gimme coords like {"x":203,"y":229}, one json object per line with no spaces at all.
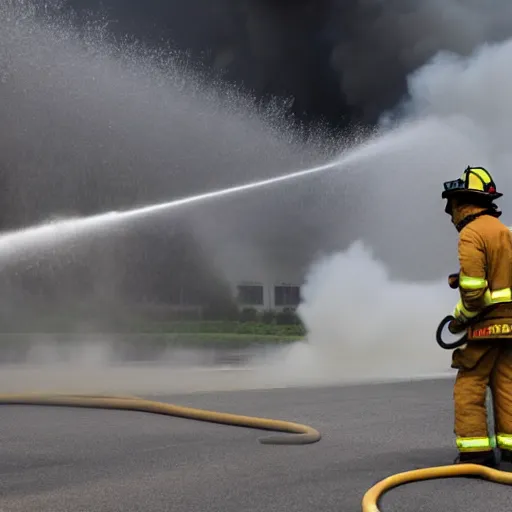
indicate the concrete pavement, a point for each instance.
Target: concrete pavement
{"x":78,"y":460}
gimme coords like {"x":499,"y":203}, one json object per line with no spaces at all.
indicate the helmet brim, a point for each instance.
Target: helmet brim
{"x":447,"y":194}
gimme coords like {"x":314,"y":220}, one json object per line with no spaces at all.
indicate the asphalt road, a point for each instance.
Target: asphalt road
{"x":79,"y":460}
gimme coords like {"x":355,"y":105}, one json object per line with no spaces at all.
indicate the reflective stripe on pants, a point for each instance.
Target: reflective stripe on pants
{"x":504,"y":441}
{"x":476,"y":444}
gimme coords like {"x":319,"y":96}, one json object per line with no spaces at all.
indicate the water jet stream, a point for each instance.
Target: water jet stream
{"x":53,"y":232}
{"x":58,"y":231}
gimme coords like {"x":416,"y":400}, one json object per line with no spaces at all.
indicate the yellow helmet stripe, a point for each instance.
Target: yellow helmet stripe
{"x":477,"y":179}
{"x":482,"y":174}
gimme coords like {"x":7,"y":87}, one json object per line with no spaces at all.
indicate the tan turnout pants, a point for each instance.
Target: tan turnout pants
{"x":482,"y":364}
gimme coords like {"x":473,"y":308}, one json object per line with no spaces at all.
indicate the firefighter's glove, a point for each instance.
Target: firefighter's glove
{"x":453,"y":281}
{"x":462,"y":315}
{"x":456,"y":326}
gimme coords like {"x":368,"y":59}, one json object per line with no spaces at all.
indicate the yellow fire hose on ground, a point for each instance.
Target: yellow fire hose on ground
{"x":303,"y":433}
{"x":373,"y":496}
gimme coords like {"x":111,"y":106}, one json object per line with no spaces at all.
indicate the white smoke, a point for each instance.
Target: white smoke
{"x":363,"y":325}
{"x":361,"y":322}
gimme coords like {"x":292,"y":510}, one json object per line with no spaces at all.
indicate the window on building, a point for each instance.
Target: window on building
{"x":250,"y":295}
{"x":287,"y":295}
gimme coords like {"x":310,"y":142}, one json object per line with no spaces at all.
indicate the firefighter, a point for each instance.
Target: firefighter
{"x":484,"y":311}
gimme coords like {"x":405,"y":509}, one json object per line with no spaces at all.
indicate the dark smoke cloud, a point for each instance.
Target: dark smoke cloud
{"x":268,"y":48}
{"x":340,"y":60}
{"x":381,"y":42}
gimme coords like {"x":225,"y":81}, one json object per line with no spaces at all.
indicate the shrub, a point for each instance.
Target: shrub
{"x":248,"y":315}
{"x":268,"y":317}
{"x":287,"y":317}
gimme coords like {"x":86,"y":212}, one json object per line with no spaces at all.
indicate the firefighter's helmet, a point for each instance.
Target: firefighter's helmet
{"x":476,"y":187}
{"x":475,"y":182}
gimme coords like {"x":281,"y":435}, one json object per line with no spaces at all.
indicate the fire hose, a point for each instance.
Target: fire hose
{"x":303,"y":434}
{"x":439,"y":335}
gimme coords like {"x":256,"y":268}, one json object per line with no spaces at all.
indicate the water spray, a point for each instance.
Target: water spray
{"x":57,"y":231}
{"x":61,"y":230}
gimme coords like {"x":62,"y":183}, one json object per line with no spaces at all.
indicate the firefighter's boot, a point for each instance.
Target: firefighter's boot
{"x":484,"y":458}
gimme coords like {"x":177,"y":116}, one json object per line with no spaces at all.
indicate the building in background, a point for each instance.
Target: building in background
{"x":265,"y":296}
